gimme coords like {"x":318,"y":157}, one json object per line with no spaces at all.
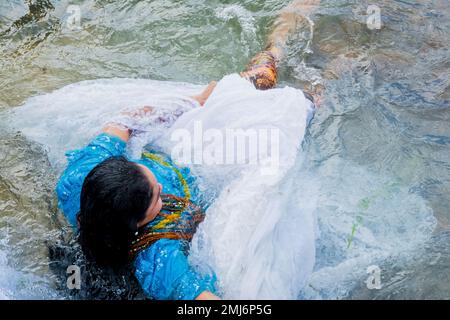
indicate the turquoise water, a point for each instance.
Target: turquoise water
{"x":377,"y":151}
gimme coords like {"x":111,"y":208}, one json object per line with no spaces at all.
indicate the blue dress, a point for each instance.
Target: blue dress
{"x":162,"y":269}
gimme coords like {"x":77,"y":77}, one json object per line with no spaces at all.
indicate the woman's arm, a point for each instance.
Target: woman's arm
{"x":124,"y":133}
{"x":80,"y":163}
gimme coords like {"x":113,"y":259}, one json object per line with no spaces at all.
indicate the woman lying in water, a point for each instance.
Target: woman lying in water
{"x":144,"y":213}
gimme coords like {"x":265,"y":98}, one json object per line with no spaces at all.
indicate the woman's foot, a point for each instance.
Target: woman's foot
{"x":262,"y":69}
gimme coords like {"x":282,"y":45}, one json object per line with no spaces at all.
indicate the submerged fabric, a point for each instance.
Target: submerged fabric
{"x":258,"y":236}
{"x":162,"y":269}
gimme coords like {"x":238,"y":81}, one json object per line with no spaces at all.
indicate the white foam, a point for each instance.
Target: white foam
{"x":67,"y":118}
{"x":15,"y":284}
{"x":4,"y":276}
{"x":388,"y":220}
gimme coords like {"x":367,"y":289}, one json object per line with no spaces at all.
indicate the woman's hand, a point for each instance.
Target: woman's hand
{"x":206,"y":295}
{"x":120,"y":130}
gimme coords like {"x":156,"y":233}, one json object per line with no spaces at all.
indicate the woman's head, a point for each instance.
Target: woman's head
{"x":118,"y":196}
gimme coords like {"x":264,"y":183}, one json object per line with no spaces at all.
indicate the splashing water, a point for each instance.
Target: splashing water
{"x":245,"y":20}
{"x":234,"y":99}
{"x":370,"y":180}
{"x":264,"y":212}
{"x":16,"y":284}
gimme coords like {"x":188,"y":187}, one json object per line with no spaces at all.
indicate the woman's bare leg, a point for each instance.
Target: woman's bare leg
{"x":262,"y":69}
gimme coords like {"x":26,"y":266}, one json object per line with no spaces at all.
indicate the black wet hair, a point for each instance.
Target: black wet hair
{"x":114,"y":198}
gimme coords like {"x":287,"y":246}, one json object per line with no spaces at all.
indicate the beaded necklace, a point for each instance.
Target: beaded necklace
{"x":170,"y":226}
